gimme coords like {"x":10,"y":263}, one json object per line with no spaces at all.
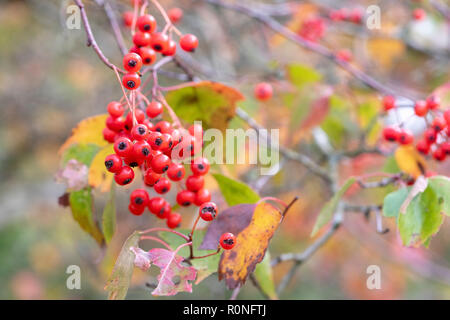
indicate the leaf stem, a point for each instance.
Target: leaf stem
{"x":157,"y":240}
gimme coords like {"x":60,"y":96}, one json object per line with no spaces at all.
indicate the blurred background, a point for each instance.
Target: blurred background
{"x":50,"y":80}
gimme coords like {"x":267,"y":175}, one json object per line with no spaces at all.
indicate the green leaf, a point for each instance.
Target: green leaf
{"x":264,"y":276}
{"x":83,"y":153}
{"x":300,"y":74}
{"x":120,"y":278}
{"x":422,"y":219}
{"x":330,"y":207}
{"x":210,"y":102}
{"x":205,"y":266}
{"x":441,"y":186}
{"x":109,"y":215}
{"x":81,"y":204}
{"x":393,"y":201}
{"x":390,"y":165}
{"x":235,"y":192}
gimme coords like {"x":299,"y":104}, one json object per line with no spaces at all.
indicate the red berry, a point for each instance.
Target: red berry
{"x":135,"y":49}
{"x":388,"y":103}
{"x":200,"y":166}
{"x":156,"y":205}
{"x":136,"y":210}
{"x":154,"y":109}
{"x":446,"y":148}
{"x":355,"y":16}
{"x":139,"y":132}
{"x":185,"y":198}
{"x":151,"y":177}
{"x":142,"y":151}
{"x":390,"y":134}
{"x":139,"y":197}
{"x":128,"y":18}
{"x":163,"y":127}
{"x":439,"y":154}
{"x":160,"y":163}
{"x":208,"y":211}
{"x":109,"y":135}
{"x":124,"y":176}
{"x":175,"y":15}
{"x":115,"y":109}
{"x":202,"y":196}
{"x":165,"y":211}
{"x":405,"y":137}
{"x":142,"y":39}
{"x":115,"y":124}
{"x":146,"y":23}
{"x":133,"y":161}
{"x":189,"y":42}
{"x":167,"y":142}
{"x":433,"y":102}
{"x":159,"y":42}
{"x":162,"y":186}
{"x":439,"y":124}
{"x":155,"y":139}
{"x":140,"y":117}
{"x":227,"y":241}
{"x":447,"y":116}
{"x":430,"y":136}
{"x":131,"y":81}
{"x":174,"y":220}
{"x":195,"y":183}
{"x":421,"y":108}
{"x":263,"y":91}
{"x":176,"y":172}
{"x":113,"y":163}
{"x":170,"y":50}
{"x":419,"y":14}
{"x":344,"y":55}
{"x":123,"y":147}
{"x":132,"y":62}
{"x":148,"y":55}
{"x":423,"y":147}
{"x":196,"y":130}
{"x":149,"y":125}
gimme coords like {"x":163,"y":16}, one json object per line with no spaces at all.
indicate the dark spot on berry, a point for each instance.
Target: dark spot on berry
{"x":139,"y":200}
{"x":132,"y":63}
{"x":148,"y":60}
{"x":145,"y":151}
{"x":141,"y":130}
{"x":186,"y":203}
{"x":158,"y":141}
{"x":158,"y":129}
{"x":127,"y":127}
{"x":122,"y":145}
{"x":170,"y":144}
{"x":179,"y":174}
{"x":157,"y":47}
{"x":164,"y":190}
{"x":109,"y":164}
{"x":146,"y":27}
{"x":200,"y":167}
{"x":126,"y":181}
{"x":165,"y":168}
{"x":133,"y":164}
{"x":228,"y":241}
{"x":131,"y":84}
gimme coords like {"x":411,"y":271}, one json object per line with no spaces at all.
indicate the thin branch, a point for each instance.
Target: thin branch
{"x":382,"y":183}
{"x":258,"y":286}
{"x":91,"y":40}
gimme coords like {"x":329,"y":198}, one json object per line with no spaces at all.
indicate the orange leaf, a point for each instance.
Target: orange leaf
{"x":98,"y":175}
{"x":410,"y":161}
{"x":251,"y":245}
{"x":89,"y":130}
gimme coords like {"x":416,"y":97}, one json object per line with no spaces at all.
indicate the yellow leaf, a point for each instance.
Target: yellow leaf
{"x":385,"y":51}
{"x":99,"y":177}
{"x":251,"y":245}
{"x":89,"y":130}
{"x":410,"y":161}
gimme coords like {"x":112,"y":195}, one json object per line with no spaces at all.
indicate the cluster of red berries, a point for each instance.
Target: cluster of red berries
{"x":435,"y":139}
{"x":312,"y":29}
{"x":354,"y":15}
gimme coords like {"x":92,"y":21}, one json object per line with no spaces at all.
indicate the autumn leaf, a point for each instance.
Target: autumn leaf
{"x":174,"y":276}
{"x":99,"y":177}
{"x":410,"y":161}
{"x":385,"y":51}
{"x":251,"y":245}
{"x":212,"y":103}
{"x":109,"y":216}
{"x":88,"y":131}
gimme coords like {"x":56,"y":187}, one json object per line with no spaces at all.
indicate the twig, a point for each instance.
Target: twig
{"x":258,"y":286}
{"x":91,"y":40}
{"x":382,"y":183}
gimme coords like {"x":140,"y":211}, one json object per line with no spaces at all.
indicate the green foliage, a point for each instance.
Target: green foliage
{"x":109,"y":216}
{"x":81,"y":152}
{"x":300,"y":74}
{"x":393,"y":201}
{"x":330,"y":207}
{"x":235,"y":192}
{"x":263,"y":274}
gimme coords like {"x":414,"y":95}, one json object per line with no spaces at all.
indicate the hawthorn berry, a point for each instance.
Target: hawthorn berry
{"x":132,"y":62}
{"x":163,"y":127}
{"x":390,"y":134}
{"x":160,"y":163}
{"x":165,"y":211}
{"x":195,"y":183}
{"x":419,"y":14}
{"x":170,"y":49}
{"x":174,"y":220}
{"x":430,"y":135}
{"x":162,"y":186}
{"x":151,"y":177}
{"x":146,"y":23}
{"x":124,"y":176}
{"x":433,"y":102}
{"x":128,"y":18}
{"x":405,"y":137}
{"x":115,"y":124}
{"x":135,"y":49}
{"x":154,"y":109}
{"x":123,"y":147}
{"x":136,"y":210}
{"x":159,"y":41}
{"x":115,"y":109}
{"x":196,"y":130}
{"x":175,"y":172}
{"x":109,"y":135}
{"x":140,"y":117}
{"x":148,"y":55}
{"x":263,"y":91}
{"x":446,"y":148}
{"x":139,"y":132}
{"x":344,"y":55}
{"x":175,"y":15}
{"x":200,"y":166}
{"x":227,"y":241}
{"x":113,"y":163}
{"x":133,"y":161}
{"x":142,"y":151}
{"x":131,"y":81}
{"x":202,"y":196}
{"x":156,"y":205}
{"x":142,"y":39}
{"x":423,"y":147}
{"x":188,"y":42}
{"x":139,"y":197}
{"x":185,"y":198}
{"x":208,"y":211}
{"x":421,"y":108}
{"x":388,"y":103}
{"x":447,"y":116}
{"x":439,"y":124}
{"x":355,"y":16}
{"x":439,"y":154}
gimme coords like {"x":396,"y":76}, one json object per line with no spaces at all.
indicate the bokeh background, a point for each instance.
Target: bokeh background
{"x":50,"y":80}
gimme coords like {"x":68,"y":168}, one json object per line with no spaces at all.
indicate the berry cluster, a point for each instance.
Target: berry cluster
{"x":435,"y":139}
{"x":354,"y":15}
{"x":312,"y":29}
